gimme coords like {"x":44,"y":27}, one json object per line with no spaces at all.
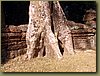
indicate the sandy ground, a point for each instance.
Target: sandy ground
{"x":82,"y":61}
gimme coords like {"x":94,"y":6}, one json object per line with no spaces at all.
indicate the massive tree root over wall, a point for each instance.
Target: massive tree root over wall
{"x":47,"y":31}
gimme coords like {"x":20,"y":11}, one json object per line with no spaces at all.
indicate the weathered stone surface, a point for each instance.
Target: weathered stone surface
{"x":83,"y":31}
{"x":84,"y":41}
{"x":14,"y":53}
{"x":16,"y":47}
{"x":80,"y":43}
{"x":82,"y":35}
{"x":72,"y":25}
{"x":23,"y":28}
{"x":10,"y":28}
{"x":13,"y":39}
{"x":14,"y":29}
{"x":89,"y":15}
{"x":92,"y":42}
{"x":11,"y":34}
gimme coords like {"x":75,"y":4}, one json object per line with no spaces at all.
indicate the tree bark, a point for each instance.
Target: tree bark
{"x":45,"y":28}
{"x":62,"y":31}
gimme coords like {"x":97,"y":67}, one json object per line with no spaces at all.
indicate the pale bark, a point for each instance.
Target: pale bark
{"x":35,"y":27}
{"x":39,"y":18}
{"x":61,"y":29}
{"x":41,"y":35}
{"x":51,"y":41}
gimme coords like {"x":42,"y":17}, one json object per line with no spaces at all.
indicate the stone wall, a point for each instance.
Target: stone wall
{"x":13,"y":40}
{"x":84,"y":39}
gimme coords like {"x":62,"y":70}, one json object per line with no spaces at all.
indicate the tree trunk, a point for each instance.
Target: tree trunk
{"x":61,"y":29}
{"x":42,"y":28}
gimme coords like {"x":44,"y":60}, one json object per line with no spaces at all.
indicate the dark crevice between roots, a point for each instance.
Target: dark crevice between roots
{"x":44,"y":52}
{"x":51,"y":12}
{"x":60,"y":46}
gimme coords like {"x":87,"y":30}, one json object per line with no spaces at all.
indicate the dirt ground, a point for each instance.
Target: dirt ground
{"x":82,"y":61}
